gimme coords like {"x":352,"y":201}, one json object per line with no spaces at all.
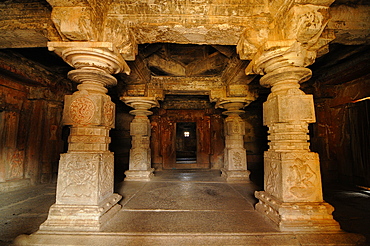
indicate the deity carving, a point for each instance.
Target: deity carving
{"x":109,"y":112}
{"x":79,"y":175}
{"x":15,"y":169}
{"x":302,"y":179}
{"x":82,"y":110}
{"x":272,"y":177}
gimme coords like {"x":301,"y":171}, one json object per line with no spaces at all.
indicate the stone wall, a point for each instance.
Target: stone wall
{"x":335,"y":89}
{"x":30,"y":123}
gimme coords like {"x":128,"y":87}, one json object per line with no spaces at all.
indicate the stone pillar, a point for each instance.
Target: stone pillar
{"x":140,"y":130}
{"x":293,"y":196}
{"x":235,"y":157}
{"x":85,"y":198}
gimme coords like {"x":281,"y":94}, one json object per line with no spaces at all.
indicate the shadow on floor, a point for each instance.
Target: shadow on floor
{"x":352,"y":208}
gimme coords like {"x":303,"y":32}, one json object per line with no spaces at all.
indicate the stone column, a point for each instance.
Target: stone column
{"x":235,"y":156}
{"x":293,"y":196}
{"x":85,"y":198}
{"x":140,"y":168}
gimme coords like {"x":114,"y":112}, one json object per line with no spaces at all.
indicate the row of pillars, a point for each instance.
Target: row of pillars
{"x":85,"y":200}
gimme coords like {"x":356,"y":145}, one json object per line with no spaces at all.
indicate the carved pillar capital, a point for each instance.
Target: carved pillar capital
{"x":141,"y":105}
{"x":94,"y":62}
{"x":282,"y":66}
{"x":233,"y":104}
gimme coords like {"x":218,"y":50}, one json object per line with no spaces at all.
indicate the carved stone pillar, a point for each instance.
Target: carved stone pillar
{"x":235,"y":157}
{"x":140,"y":130}
{"x":85,"y":198}
{"x":293,"y":195}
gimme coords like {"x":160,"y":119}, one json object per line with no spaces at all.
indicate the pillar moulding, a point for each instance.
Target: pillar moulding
{"x":140,"y":130}
{"x":235,"y":157}
{"x":293,"y":194}
{"x":85,"y":200}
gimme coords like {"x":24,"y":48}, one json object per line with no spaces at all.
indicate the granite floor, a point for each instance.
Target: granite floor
{"x":185,"y":206}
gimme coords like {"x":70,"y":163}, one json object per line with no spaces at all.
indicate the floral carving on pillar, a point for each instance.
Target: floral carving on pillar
{"x":82,"y":110}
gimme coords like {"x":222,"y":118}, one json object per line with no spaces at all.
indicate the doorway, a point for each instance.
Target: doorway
{"x":184,"y":139}
{"x":186,"y":143}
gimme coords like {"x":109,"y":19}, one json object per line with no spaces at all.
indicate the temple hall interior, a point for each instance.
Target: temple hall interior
{"x":185,"y":122}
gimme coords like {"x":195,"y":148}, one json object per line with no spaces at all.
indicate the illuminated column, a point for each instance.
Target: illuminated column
{"x":140,"y":168}
{"x":292,"y":180}
{"x":235,"y":156}
{"x":85,"y":198}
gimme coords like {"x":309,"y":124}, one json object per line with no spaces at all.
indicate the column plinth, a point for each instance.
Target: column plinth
{"x":140,"y":130}
{"x":293,"y":195}
{"x":85,"y":200}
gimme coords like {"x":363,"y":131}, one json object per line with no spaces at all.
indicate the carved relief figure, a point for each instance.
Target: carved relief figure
{"x":109,"y":112}
{"x":82,"y":110}
{"x":272,"y":177}
{"x":237,"y":160}
{"x":302,"y":179}
{"x":15,"y":169}
{"x":137,"y":159}
{"x":79,"y":175}
{"x":235,"y":127}
{"x":106,"y":176}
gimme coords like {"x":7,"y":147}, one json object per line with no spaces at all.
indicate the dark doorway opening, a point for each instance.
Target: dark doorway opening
{"x":186,"y":142}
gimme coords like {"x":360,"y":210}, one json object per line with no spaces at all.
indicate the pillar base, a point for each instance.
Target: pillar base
{"x":66,"y":217}
{"x":297,"y":216}
{"x":139,"y":175}
{"x":235,"y":175}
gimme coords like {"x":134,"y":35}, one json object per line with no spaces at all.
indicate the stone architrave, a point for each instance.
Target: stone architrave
{"x":235,"y":156}
{"x":85,"y":198}
{"x":140,"y":130}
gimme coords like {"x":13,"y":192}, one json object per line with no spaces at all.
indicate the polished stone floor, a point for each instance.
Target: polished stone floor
{"x":184,"y":207}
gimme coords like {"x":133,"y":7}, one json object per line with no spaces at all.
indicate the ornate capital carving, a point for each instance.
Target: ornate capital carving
{"x":233,"y":104}
{"x":140,"y":104}
{"x":101,"y":56}
{"x":283,"y":64}
{"x":298,"y":28}
{"x":94,"y":63}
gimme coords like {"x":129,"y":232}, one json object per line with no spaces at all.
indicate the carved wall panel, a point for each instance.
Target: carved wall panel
{"x":15,"y":164}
